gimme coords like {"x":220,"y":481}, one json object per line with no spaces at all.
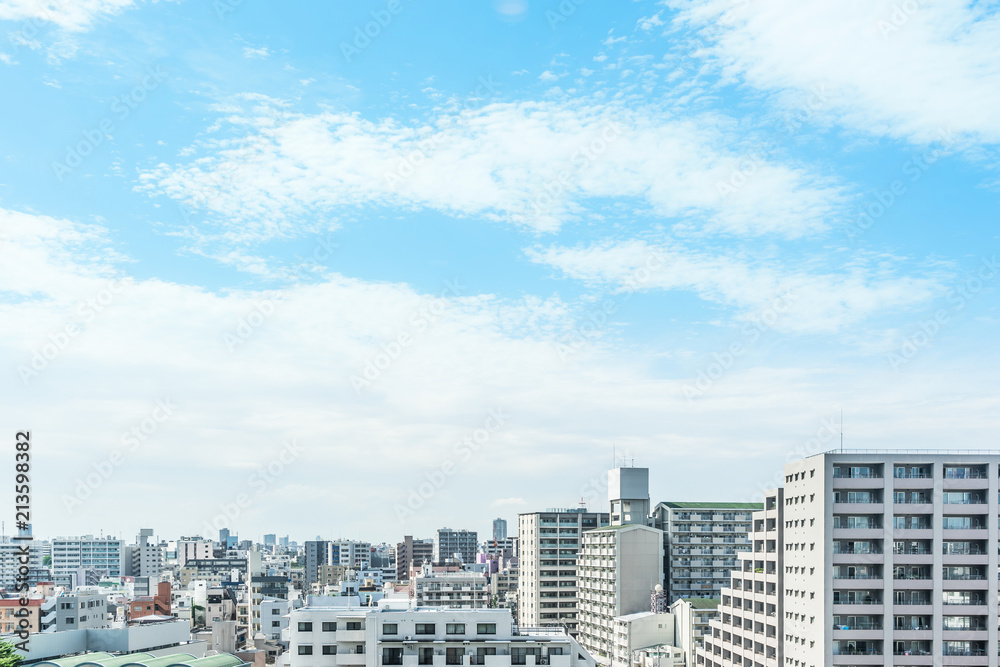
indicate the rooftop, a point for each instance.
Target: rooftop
{"x":703,"y":603}
{"x":715,"y":506}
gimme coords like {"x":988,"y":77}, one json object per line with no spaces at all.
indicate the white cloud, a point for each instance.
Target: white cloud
{"x":647,"y":23}
{"x":907,"y":70}
{"x":290,"y":377}
{"x":258,"y":52}
{"x":533,"y":164}
{"x":509,"y":502}
{"x":820,"y":301}
{"x":548,"y":75}
{"x":74,"y":15}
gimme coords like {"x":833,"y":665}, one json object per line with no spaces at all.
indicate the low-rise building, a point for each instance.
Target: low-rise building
{"x":421,"y":636}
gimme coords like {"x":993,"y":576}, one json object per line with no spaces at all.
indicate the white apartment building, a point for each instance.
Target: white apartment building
{"x":323,"y":637}
{"x":887,"y":558}
{"x":85,"y":609}
{"x":72,"y":556}
{"x":145,"y":559}
{"x":646,"y":630}
{"x":274,"y":619}
{"x":10,"y":561}
{"x":619,"y":566}
{"x":548,"y":545}
{"x":353,"y":554}
{"x":692,"y":617}
{"x":456,"y":544}
{"x":454,"y":590}
{"x":749,"y":627}
{"x":193,"y":549}
{"x":701,"y":542}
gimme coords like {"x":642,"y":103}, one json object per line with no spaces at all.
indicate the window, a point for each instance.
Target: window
{"x":305,"y":650}
{"x":454,"y":656}
{"x":425,"y":656}
{"x":274,"y":624}
{"x":389,"y":629}
{"x":275,"y":611}
{"x":455,"y":628}
{"x":424,"y":629}
{"x":305,"y":627}
{"x":486,"y":628}
{"x":329,"y":626}
{"x":392,"y":656}
{"x":353,"y":625}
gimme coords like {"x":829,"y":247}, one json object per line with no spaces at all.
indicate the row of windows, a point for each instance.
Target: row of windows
{"x":393,"y":628}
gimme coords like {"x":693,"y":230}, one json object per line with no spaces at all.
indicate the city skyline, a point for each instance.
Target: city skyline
{"x":325,"y":259}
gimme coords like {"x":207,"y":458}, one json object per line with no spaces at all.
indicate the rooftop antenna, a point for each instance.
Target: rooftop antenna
{"x":841,"y":430}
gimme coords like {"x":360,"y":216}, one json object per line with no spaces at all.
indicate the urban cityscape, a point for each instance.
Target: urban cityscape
{"x":859,"y":558}
{"x":500,"y":333}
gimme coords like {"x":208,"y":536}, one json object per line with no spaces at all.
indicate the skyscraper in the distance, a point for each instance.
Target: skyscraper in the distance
{"x":499,"y":530}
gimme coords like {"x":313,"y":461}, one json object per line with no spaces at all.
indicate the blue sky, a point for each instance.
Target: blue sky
{"x":693,"y":232}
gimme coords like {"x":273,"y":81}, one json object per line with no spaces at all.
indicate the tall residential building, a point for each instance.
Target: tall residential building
{"x":316,"y":554}
{"x":270,"y":540}
{"x":353,"y":554}
{"x":146,"y":559}
{"x":701,"y":542}
{"x":193,"y":548}
{"x":548,"y":544}
{"x":456,"y":544}
{"x":10,"y":562}
{"x":888,"y":558}
{"x":499,"y":530}
{"x":749,"y":628}
{"x":619,"y":568}
{"x":73,"y":556}
{"x":412,"y":553}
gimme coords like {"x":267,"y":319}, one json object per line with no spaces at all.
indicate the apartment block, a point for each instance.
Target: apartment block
{"x":454,"y":590}
{"x":72,"y":556}
{"x":646,"y":630}
{"x":316,"y":554}
{"x":692,"y":619}
{"x":548,"y":546}
{"x":701,"y":542}
{"x":325,"y":636}
{"x":410,"y":553}
{"x":749,"y":626}
{"x":461,"y":545}
{"x":194,"y":549}
{"x":85,"y":609}
{"x":144,"y":559}
{"x":619,"y":566}
{"x":883,"y":557}
{"x":10,"y":562}
{"x":892,"y":557}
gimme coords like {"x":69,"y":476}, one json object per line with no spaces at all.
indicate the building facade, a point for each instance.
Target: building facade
{"x":701,"y":543}
{"x":321,"y":637}
{"x":749,"y":626}
{"x":410,"y":553}
{"x":462,"y":545}
{"x":548,"y":547}
{"x":453,"y":590}
{"x":72,"y":556}
{"x":619,"y":566}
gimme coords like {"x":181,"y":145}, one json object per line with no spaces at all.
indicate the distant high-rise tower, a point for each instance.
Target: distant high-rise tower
{"x":499,"y":530}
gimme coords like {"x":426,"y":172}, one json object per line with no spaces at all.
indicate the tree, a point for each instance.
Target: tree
{"x":46,"y":560}
{"x":8,"y":656}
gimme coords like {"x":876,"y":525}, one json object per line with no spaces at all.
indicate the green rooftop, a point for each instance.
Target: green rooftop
{"x":75,"y":660}
{"x":715,"y":506}
{"x":220,"y":660}
{"x":117,"y":661}
{"x":162,"y":661}
{"x":704,"y":603}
